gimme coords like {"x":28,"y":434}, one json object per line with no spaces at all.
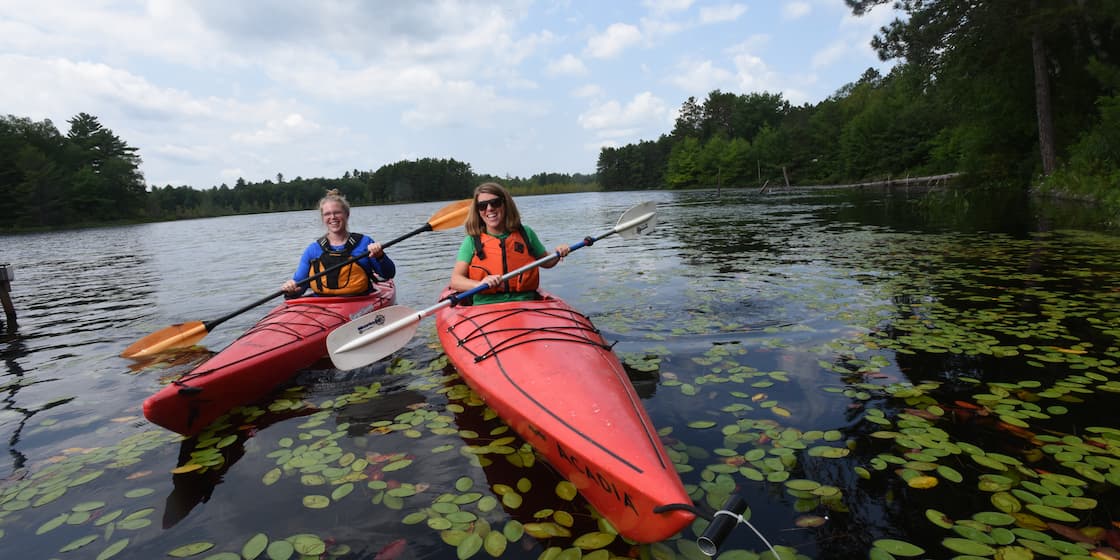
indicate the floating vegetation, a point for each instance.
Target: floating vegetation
{"x":875,"y":393}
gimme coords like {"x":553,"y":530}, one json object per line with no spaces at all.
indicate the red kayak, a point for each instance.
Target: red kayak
{"x":546,"y":370}
{"x":289,"y":338}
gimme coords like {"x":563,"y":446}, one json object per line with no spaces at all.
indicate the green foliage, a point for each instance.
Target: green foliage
{"x":684,"y":165}
{"x":90,"y":176}
{"x":965,"y":98}
{"x":1094,"y":166}
{"x":634,"y":166}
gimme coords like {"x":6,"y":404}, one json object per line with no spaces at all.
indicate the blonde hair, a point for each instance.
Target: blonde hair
{"x":334,"y":195}
{"x":474,"y":224}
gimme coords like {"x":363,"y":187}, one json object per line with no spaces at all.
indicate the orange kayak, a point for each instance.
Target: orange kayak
{"x":546,"y":370}
{"x":289,"y":338}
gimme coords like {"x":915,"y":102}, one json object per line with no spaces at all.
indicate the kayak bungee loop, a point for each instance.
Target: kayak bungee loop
{"x":305,"y":315}
{"x":185,"y":389}
{"x":576,"y":328}
{"x":722,"y":522}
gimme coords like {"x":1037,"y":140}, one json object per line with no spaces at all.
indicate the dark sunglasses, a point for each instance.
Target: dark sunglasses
{"x":492,"y":203}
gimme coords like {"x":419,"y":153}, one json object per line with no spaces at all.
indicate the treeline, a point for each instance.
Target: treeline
{"x":90,"y":176}
{"x":870,"y":129}
{"x":405,"y":181}
{"x":1018,"y":92}
{"x":1012,"y":91}
{"x":51,"y":180}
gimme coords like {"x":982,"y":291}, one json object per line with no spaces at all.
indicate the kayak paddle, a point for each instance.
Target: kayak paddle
{"x":182,"y":335}
{"x":373,"y":336}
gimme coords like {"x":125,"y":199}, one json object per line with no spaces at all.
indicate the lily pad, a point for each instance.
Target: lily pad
{"x":254,"y":546}
{"x":899,"y":548}
{"x":190,"y":549}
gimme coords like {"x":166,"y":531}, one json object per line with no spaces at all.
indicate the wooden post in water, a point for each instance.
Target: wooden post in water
{"x":6,"y":277}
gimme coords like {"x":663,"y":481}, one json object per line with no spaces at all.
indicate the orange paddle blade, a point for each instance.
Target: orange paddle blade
{"x":451,"y":216}
{"x":176,"y":336}
{"x":188,"y":334}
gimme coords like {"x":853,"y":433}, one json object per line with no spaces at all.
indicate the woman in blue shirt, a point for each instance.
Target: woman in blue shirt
{"x":336,"y":247}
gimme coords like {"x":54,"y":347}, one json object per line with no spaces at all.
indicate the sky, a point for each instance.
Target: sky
{"x":210,"y":91}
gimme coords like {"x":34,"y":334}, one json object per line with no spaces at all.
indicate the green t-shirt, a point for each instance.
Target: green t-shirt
{"x":466,"y":253}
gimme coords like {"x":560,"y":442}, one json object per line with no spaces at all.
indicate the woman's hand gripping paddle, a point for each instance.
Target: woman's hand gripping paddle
{"x":375,"y":335}
{"x":187,"y":334}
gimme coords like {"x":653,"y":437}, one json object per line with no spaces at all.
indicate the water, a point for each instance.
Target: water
{"x":817,"y":329}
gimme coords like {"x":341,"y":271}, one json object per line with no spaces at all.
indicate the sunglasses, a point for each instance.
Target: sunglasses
{"x":492,"y":203}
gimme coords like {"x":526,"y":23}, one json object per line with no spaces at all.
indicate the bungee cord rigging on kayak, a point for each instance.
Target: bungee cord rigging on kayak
{"x":519,"y":355}
{"x":294,"y":325}
{"x":580,"y":330}
{"x":290,"y":337}
{"x":186,"y":334}
{"x":517,"y":347}
{"x":353,"y":345}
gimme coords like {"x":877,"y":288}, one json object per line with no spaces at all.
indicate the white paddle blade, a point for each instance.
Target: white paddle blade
{"x":372,"y":336}
{"x":638,"y":220}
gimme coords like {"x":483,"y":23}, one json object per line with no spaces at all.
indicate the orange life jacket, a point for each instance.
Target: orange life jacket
{"x":499,"y":256}
{"x":349,"y":280}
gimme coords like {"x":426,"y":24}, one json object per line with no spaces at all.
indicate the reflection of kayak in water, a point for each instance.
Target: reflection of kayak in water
{"x":513,"y":467}
{"x":289,"y":338}
{"x":193,"y":486}
{"x":546,"y":370}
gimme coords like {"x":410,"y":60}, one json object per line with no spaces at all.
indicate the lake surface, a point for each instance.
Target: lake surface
{"x":921,"y":375}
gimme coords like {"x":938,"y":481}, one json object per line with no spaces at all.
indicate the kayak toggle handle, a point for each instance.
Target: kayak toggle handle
{"x":722,"y":522}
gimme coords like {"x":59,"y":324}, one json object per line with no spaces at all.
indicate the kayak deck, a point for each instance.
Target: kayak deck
{"x":547,"y":371}
{"x":292,"y":336}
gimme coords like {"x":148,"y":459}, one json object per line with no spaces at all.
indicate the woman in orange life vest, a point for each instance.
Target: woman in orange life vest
{"x":497,"y":243}
{"x":337,"y":246}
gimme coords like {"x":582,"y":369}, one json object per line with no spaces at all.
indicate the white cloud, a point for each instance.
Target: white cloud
{"x":657,"y":29}
{"x":660,"y":7}
{"x":465,"y":104}
{"x":753,"y":75}
{"x":613,"y":40}
{"x":567,"y":65}
{"x":871,"y":21}
{"x":279,"y":130}
{"x":595,"y":147}
{"x":182,"y":153}
{"x":209,"y":91}
{"x":830,"y":54}
{"x":722,"y":13}
{"x":61,"y":84}
{"x":796,"y":10}
{"x":698,"y":77}
{"x":853,"y":44}
{"x":589,"y":90}
{"x":753,"y":43}
{"x":231,"y":174}
{"x":169,"y":31}
{"x":613,"y":120}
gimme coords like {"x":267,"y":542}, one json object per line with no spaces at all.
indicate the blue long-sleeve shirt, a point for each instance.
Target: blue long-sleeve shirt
{"x":383,"y":267}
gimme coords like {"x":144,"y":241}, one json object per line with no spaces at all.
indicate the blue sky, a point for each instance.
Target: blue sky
{"x":213,"y":90}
